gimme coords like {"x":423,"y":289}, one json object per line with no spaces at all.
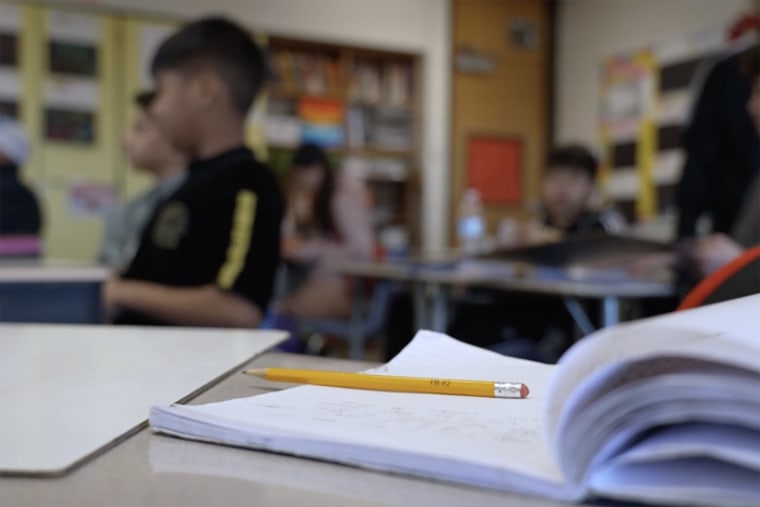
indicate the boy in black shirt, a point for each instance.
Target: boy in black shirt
{"x":567,"y":185}
{"x":209,"y":253}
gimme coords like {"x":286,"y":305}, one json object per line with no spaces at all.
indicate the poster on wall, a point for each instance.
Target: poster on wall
{"x":70,"y":106}
{"x":494,"y":168}
{"x":626,"y":120}
{"x":91,"y":198}
{"x":10,"y":50}
{"x":72,"y":89}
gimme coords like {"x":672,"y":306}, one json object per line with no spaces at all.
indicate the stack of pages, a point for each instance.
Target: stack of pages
{"x":664,"y":410}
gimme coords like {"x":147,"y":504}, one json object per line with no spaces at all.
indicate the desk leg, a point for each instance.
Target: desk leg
{"x":610,"y":311}
{"x":440,"y":312}
{"x":579,"y":315}
{"x":356,"y":338}
{"x":420,"y":306}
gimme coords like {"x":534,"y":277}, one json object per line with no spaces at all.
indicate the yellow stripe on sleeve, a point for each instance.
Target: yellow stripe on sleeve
{"x":240,"y":239}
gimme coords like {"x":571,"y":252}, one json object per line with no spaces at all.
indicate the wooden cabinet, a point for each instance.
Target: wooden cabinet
{"x":361,"y":106}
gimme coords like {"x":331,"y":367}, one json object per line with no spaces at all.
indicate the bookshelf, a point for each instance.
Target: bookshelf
{"x":361,"y":106}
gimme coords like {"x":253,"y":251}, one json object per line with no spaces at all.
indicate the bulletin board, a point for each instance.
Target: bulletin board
{"x":644,"y":104}
{"x":627,"y":111}
{"x":494,"y":168}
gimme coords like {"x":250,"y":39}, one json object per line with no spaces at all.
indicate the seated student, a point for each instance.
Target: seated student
{"x":209,"y":253}
{"x":19,"y":210}
{"x":327,"y":218}
{"x":567,"y":186}
{"x":148,"y":150}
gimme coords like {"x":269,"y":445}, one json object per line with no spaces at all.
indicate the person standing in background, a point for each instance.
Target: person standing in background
{"x":713,"y":251}
{"x":19,"y":209}
{"x":722,"y":146}
{"x":148,"y":150}
{"x":697,"y":259}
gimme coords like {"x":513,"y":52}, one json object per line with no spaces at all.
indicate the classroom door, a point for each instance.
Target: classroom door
{"x":500,"y":100}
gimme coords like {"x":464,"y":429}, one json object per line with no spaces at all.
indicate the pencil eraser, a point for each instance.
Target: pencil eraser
{"x":524,"y":391}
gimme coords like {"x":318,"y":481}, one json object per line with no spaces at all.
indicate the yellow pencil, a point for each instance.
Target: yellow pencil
{"x":489,"y":389}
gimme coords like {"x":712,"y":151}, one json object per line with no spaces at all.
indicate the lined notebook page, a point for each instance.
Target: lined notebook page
{"x":481,"y":440}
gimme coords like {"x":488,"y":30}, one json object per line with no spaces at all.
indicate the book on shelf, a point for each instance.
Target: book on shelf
{"x":376,"y":168}
{"x":397,"y":85}
{"x":322,"y":122}
{"x":661,"y":411}
{"x":374,"y":83}
{"x":356,"y":127}
{"x":390,"y":129}
{"x":381,"y":128}
{"x":281,"y":130}
{"x":308,"y":73}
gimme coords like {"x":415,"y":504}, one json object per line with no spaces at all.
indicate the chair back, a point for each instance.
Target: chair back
{"x":740,"y":277}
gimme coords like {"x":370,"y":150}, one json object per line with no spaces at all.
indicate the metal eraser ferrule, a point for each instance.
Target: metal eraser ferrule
{"x":506,"y":390}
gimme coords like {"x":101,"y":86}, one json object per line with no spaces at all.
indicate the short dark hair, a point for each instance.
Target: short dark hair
{"x":575,"y":156}
{"x":224,"y":47}
{"x":144,"y":99}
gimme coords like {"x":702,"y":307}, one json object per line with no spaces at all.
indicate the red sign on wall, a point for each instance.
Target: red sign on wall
{"x":494,"y":168}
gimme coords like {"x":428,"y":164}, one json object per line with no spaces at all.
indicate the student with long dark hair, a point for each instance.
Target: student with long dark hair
{"x":327,"y":218}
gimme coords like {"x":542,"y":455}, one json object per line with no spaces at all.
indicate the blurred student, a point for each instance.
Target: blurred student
{"x":19,"y":209}
{"x":148,"y":150}
{"x":327,"y":218}
{"x":209,"y":252}
{"x":701,"y":257}
{"x":713,"y":251}
{"x":567,"y":188}
{"x":722,"y":146}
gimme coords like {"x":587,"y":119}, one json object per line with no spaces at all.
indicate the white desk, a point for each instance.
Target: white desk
{"x":66,"y":392}
{"x":32,"y":272}
{"x":157,"y":471}
{"x":45,"y":292}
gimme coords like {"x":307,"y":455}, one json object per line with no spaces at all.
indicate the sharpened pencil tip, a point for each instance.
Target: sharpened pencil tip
{"x":256,"y":372}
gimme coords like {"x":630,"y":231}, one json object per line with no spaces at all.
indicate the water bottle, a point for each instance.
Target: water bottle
{"x":470,"y":223}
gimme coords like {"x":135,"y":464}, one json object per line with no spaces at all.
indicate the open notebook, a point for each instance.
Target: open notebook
{"x":664,"y":410}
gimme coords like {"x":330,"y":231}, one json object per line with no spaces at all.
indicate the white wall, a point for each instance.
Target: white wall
{"x":419,"y":26}
{"x":590,"y":30}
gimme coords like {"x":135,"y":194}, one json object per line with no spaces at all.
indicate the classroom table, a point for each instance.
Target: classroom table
{"x":432,"y":284}
{"x":50,"y":292}
{"x":610,"y":287}
{"x":69,"y":391}
{"x":393,"y":270}
{"x":156,"y":470}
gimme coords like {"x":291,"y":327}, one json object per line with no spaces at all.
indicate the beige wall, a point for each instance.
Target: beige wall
{"x":589,"y":30}
{"x":419,"y":26}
